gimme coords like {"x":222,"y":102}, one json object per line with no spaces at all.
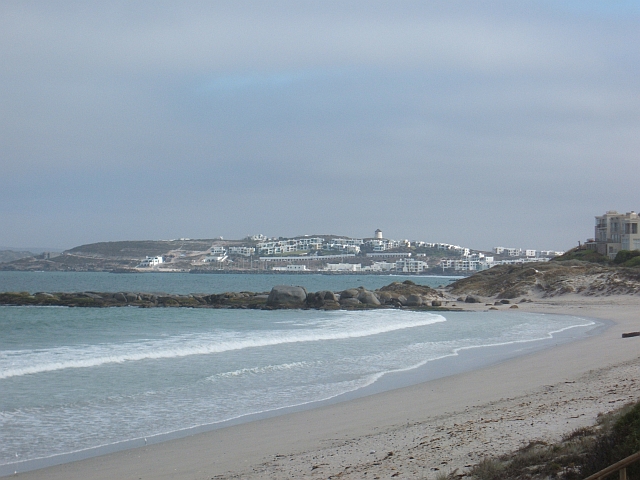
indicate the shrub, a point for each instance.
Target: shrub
{"x":624,"y":256}
{"x":622,"y":440}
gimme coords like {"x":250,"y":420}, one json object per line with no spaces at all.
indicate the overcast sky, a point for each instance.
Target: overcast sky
{"x":475,"y":123}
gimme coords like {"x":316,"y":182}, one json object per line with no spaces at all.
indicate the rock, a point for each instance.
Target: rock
{"x":131,"y":297}
{"x":120,"y":297}
{"x":436,"y":303}
{"x":505,"y":301}
{"x":91,"y":295}
{"x":471,"y":299}
{"x":45,"y":295}
{"x":350,"y":293}
{"x":287,"y":296}
{"x":315,"y":300}
{"x":385,"y":297}
{"x":350,"y":302}
{"x":513,"y":306}
{"x":493,"y":308}
{"x":329,"y":296}
{"x":402,"y":300}
{"x":414,"y":301}
{"x":460,"y":299}
{"x":368,"y":298}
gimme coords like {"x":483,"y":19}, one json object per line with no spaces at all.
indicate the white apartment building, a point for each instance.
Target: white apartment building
{"x":244,"y":251}
{"x":347,"y":241}
{"x":217,"y":250}
{"x":291,"y":245}
{"x":291,"y":268}
{"x":410,"y":265}
{"x":380,"y":245}
{"x":343,"y":267}
{"x":380,"y":267}
{"x":388,"y":254}
{"x":469,"y":263}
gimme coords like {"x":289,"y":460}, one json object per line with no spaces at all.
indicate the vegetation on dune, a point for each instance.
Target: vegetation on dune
{"x":583,"y":254}
{"x":551,"y":279}
{"x":141,"y":248}
{"x":627,"y":258}
{"x":581,"y":453}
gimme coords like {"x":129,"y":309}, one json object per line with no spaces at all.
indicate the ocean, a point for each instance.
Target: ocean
{"x":85,"y":380}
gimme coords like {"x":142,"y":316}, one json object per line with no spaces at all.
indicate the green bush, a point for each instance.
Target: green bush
{"x":584,"y":254}
{"x":634,"y":262}
{"x":624,"y":256}
{"x":615,"y":444}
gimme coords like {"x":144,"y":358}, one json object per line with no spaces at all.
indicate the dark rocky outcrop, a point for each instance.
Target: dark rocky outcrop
{"x":414,"y":301}
{"x":350,"y":302}
{"x":288,"y":296}
{"x":281,"y":296}
{"x":368,"y":298}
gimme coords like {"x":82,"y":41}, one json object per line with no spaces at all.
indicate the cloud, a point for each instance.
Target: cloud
{"x":471,"y":123}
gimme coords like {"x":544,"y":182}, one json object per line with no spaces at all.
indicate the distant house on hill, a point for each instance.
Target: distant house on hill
{"x":149,"y":262}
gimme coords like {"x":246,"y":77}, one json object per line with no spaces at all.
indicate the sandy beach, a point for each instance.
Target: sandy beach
{"x":417,"y":431}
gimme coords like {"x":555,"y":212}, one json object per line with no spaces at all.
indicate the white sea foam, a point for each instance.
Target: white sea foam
{"x":338,"y":327}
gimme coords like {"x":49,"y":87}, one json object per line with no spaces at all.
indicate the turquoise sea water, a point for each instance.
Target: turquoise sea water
{"x":73,"y":379}
{"x":183,"y":283}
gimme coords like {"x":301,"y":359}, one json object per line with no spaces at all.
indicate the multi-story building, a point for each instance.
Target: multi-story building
{"x":244,"y":251}
{"x":410,"y":265}
{"x":614,"y":232}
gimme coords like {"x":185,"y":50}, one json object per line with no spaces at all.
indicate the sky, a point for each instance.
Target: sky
{"x":479,"y":123}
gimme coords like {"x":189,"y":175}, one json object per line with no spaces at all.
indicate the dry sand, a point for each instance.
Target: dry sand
{"x":417,"y":431}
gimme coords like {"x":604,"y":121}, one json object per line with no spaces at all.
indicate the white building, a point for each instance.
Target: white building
{"x":244,"y":251}
{"x":410,"y":265}
{"x":380,"y":267}
{"x":217,"y":250}
{"x":343,"y":267}
{"x":150,"y":262}
{"x":388,"y":254}
{"x":291,"y":268}
{"x":380,"y":245}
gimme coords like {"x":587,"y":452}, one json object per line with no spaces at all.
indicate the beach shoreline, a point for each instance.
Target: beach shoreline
{"x":339,"y":437}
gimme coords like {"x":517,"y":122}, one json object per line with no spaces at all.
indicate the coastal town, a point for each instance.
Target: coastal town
{"x":334,"y":254}
{"x":329,"y":254}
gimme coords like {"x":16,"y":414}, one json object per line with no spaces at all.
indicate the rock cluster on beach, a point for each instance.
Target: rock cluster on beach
{"x":406,"y":294}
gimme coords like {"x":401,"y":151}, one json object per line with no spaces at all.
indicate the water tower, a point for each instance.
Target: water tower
{"x":378,"y":234}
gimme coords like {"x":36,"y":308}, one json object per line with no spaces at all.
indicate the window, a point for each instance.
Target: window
{"x":634,"y":228}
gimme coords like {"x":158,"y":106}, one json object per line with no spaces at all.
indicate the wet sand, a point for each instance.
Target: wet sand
{"x":416,"y":431}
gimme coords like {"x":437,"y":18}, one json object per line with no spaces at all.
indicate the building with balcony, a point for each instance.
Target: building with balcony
{"x":614,"y":232}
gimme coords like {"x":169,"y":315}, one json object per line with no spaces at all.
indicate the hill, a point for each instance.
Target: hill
{"x":549,"y":279}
